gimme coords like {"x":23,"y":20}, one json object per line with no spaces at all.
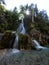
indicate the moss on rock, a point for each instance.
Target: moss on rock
{"x":24,"y":42}
{"x":7,"y":40}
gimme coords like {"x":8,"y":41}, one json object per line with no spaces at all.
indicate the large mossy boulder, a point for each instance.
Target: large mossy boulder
{"x":7,"y":40}
{"x":35,"y":34}
{"x":24,"y":42}
{"x":43,"y":39}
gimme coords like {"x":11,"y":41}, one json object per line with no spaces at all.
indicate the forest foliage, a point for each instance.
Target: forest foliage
{"x":9,"y":20}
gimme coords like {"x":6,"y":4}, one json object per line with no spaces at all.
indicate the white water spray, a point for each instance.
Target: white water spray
{"x":37,"y":45}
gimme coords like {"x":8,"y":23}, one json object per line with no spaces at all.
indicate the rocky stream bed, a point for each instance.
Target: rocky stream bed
{"x":24,"y":57}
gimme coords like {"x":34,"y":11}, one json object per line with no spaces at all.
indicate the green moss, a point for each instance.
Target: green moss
{"x":7,"y":40}
{"x":24,"y":42}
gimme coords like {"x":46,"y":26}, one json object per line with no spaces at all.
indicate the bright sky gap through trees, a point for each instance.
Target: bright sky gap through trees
{"x":41,"y":4}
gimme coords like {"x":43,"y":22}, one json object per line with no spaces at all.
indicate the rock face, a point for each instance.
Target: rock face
{"x":35,"y":34}
{"x":7,"y":40}
{"x":41,"y":38}
{"x":26,"y":58}
{"x":24,"y":42}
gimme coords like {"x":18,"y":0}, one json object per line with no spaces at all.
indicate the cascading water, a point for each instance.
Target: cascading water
{"x":21,"y":30}
{"x":37,"y":45}
{"x":16,"y":42}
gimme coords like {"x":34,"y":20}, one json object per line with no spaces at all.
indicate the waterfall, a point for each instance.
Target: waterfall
{"x":16,"y":41}
{"x":37,"y":45}
{"x":21,"y":30}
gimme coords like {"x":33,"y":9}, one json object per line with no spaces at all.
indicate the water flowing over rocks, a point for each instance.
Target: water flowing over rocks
{"x":21,"y":29}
